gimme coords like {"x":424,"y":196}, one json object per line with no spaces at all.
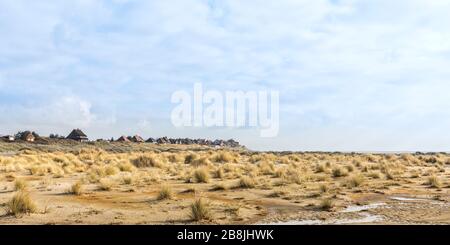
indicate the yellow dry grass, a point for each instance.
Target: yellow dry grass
{"x":233,"y":177}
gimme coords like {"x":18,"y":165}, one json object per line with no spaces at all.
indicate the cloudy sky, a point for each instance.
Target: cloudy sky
{"x":370,"y":75}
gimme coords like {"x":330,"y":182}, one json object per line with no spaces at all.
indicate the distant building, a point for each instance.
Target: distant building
{"x":78,"y":135}
{"x":8,"y":138}
{"x":137,"y":139}
{"x":123,"y":139}
{"x":151,"y":140}
{"x":27,"y":136}
{"x":163,"y":140}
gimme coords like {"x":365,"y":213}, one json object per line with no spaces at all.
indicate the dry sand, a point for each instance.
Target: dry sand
{"x":290,"y":188}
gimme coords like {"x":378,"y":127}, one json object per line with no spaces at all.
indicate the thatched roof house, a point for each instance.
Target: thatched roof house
{"x":27,"y":136}
{"x":77,"y":135}
{"x":151,"y":140}
{"x":137,"y":139}
{"x":123,"y":139}
{"x":163,"y":140}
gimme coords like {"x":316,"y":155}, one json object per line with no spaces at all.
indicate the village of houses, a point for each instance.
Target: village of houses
{"x":79,"y":136}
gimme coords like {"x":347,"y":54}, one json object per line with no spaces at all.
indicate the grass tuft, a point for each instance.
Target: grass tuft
{"x":190,"y":158}
{"x":326,"y":204}
{"x":106,"y":184}
{"x":223,"y":157}
{"x":200,"y":210}
{"x":76,"y":189}
{"x":201,"y":175}
{"x":110,"y":170}
{"x":247,"y":182}
{"x":339,"y":172}
{"x":219,"y":173}
{"x":147,"y":161}
{"x":20,"y":185}
{"x":434,"y":181}
{"x":323,"y":188}
{"x":165,"y":193}
{"x":20,"y":203}
{"x":354,"y":181}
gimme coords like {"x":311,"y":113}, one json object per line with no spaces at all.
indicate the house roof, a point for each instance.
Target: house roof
{"x":76,"y":134}
{"x":123,"y":139}
{"x":137,"y":138}
{"x":27,"y":135}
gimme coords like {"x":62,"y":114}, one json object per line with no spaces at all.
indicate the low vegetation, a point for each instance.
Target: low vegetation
{"x":147,"y":161}
{"x":165,"y":193}
{"x":201,"y":175}
{"x":76,"y":189}
{"x":200,"y":210}
{"x":326,"y":204}
{"x":339,"y":172}
{"x":434,"y":181}
{"x":106,"y":184}
{"x":355,"y":180}
{"x":20,"y":185}
{"x":21,"y":203}
{"x":246,"y":182}
{"x":160,"y":183}
{"x":323,"y":188}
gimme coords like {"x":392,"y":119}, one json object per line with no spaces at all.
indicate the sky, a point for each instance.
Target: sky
{"x":352,"y":75}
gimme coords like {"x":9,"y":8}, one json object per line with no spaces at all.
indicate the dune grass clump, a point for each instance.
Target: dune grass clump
{"x":126,"y":167}
{"x":200,"y":210}
{"x":219,"y":173}
{"x":266,"y":168}
{"x":203,"y":161}
{"x":323,"y":188}
{"x":58,"y":173}
{"x":357,"y":163}
{"x":175,"y":158}
{"x":389,"y":174}
{"x":280,"y":173}
{"x":374,"y":175}
{"x":434,"y":181}
{"x":326,"y":204}
{"x":20,"y":185}
{"x":223,"y":157}
{"x":165,"y":193}
{"x":246,"y":182}
{"x":354,"y":181}
{"x":38,"y":170}
{"x":321,"y":168}
{"x":201,"y":175}
{"x":147,"y":161}
{"x":106,"y":184}
{"x":295,"y":177}
{"x":76,"y":189}
{"x":20,"y":203}
{"x":191,"y":158}
{"x":97,"y":171}
{"x":127,"y":180}
{"x":339,"y":172}
{"x":349,"y":168}
{"x":111,"y":170}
